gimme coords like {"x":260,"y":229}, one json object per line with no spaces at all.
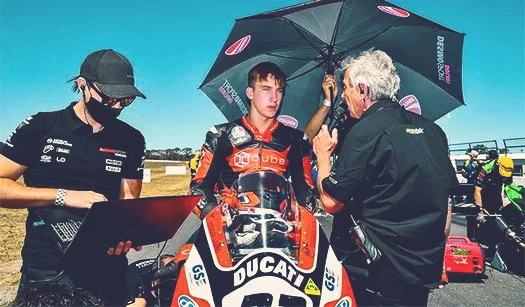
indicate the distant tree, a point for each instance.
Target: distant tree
{"x":480,"y":148}
{"x":186,"y":153}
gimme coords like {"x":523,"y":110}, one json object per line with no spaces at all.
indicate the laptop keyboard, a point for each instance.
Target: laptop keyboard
{"x":66,"y":231}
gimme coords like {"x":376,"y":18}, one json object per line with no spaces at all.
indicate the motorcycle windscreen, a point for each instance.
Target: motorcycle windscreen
{"x":267,"y":216}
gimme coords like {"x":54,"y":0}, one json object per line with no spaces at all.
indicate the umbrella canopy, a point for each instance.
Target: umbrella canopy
{"x":309,"y":40}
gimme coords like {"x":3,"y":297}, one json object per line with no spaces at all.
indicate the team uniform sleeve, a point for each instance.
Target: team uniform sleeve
{"x":350,"y":168}
{"x":208,"y":167}
{"x":22,"y":145}
{"x":480,"y":180}
{"x":301,"y":171}
{"x":134,"y":168}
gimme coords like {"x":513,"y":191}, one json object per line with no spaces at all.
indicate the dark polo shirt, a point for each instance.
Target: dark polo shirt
{"x":61,"y":151}
{"x":395,"y":169}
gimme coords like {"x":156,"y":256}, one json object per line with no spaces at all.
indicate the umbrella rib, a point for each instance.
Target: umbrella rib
{"x":305,"y":72}
{"x":289,"y":57}
{"x":319,"y":50}
{"x":366,"y":41}
{"x":301,"y":74}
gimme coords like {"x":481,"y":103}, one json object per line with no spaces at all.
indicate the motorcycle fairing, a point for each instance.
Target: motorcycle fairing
{"x":317,"y":279}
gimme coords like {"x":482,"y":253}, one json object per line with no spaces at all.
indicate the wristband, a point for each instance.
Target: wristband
{"x":327,"y":102}
{"x":61,"y":197}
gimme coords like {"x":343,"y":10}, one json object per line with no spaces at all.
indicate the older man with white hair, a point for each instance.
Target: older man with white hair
{"x":393,"y":175}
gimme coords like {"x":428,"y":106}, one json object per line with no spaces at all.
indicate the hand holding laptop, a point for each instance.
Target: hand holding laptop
{"x":123,"y":248}
{"x":78,"y":199}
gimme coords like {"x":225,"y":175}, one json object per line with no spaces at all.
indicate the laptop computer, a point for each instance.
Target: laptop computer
{"x":142,"y":220}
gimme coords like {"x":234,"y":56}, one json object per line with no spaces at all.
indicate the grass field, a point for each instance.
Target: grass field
{"x":12,"y":225}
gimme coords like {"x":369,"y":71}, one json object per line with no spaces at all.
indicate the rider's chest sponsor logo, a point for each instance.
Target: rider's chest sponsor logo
{"x":45,"y":158}
{"x":59,"y":142}
{"x":198,"y":275}
{"x":116,"y":152}
{"x":239,"y":135}
{"x":267,"y":266}
{"x":288,"y":120}
{"x":243,"y":159}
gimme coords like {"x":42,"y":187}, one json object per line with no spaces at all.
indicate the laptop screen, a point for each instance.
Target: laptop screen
{"x":142,"y":220}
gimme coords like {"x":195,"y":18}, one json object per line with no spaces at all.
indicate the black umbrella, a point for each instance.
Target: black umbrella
{"x":308,"y":40}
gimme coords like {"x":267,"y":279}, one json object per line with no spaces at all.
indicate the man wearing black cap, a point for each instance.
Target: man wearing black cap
{"x":70,"y":159}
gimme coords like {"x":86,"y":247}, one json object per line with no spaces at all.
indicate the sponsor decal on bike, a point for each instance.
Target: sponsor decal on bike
{"x":267,"y":265}
{"x":288,"y":120}
{"x":344,"y":302}
{"x":186,"y":301}
{"x":394,"y":11}
{"x":311,"y":288}
{"x":144,"y":263}
{"x":330,"y":279}
{"x":198,"y":275}
{"x":238,"y":46}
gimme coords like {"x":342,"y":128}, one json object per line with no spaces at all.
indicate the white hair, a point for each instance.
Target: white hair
{"x":375,"y":69}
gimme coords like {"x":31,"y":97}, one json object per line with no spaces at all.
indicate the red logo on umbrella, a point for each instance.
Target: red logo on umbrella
{"x":394,"y":11}
{"x":238,"y":46}
{"x":287,"y":120}
{"x":410,"y":103}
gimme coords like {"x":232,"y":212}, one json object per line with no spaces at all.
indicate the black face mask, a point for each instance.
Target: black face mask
{"x":103,"y":114}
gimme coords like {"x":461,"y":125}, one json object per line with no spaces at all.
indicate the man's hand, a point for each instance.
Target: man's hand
{"x":329,"y":82}
{"x":82,"y":199}
{"x":324,"y":144}
{"x":481,"y":217}
{"x":123,"y":248}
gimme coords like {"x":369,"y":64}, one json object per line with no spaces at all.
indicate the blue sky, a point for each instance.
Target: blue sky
{"x":173,"y":44}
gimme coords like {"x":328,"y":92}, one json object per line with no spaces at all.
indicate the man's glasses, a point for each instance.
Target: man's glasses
{"x":110,"y":101}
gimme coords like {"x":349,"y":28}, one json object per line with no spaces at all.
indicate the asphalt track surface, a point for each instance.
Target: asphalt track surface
{"x":492,"y":289}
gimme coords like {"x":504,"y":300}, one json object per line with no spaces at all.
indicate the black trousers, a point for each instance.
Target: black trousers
{"x":382,"y":288}
{"x":109,"y":289}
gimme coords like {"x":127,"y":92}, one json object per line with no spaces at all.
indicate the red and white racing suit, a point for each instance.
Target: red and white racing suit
{"x":237,"y":147}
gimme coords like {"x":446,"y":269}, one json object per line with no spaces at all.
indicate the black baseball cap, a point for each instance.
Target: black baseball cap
{"x":111,"y":72}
